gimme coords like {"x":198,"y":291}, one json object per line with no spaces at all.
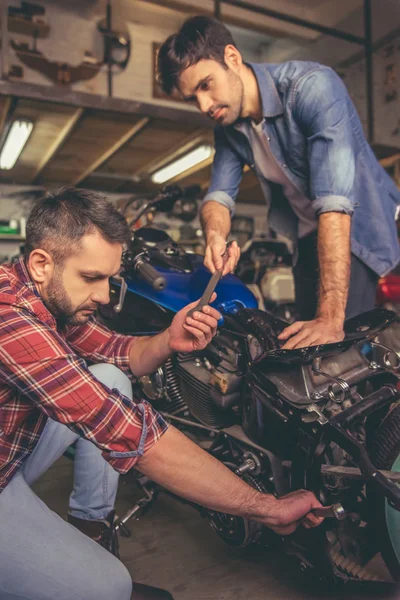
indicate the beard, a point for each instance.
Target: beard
{"x":59,"y":303}
{"x":234,"y":108}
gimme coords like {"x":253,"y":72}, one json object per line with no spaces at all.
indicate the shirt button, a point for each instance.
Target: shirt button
{"x":284,"y":166}
{"x":268,"y":138}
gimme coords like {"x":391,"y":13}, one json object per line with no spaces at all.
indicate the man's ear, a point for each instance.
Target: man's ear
{"x":41,"y":266}
{"x":233,"y":58}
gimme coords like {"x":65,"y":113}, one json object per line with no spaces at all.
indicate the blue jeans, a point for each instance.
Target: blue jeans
{"x":42,"y":557}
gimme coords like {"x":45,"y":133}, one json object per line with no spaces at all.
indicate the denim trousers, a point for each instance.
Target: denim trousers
{"x":42,"y":557}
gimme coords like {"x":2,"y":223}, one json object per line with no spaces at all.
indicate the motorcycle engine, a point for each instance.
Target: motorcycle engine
{"x":211,"y":382}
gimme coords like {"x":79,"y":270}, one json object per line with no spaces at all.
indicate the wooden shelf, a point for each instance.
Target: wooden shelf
{"x":11,"y":237}
{"x":24,"y":26}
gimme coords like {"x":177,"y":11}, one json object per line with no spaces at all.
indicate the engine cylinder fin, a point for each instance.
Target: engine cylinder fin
{"x":175,"y":400}
{"x":195,"y":388}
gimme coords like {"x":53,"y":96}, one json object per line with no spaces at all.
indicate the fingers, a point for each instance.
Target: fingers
{"x":291,"y":330}
{"x":206,"y":324}
{"x":197,"y":334}
{"x":217,"y":250}
{"x":233,"y":258}
{"x":208,"y":260}
{"x":214,"y":258}
{"x":298,"y":341}
{"x":310,"y":520}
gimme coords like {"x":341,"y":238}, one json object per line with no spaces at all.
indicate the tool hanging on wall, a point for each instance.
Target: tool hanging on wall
{"x":116,"y":54}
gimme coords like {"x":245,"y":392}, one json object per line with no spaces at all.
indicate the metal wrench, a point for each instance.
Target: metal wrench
{"x":335,"y":511}
{"x":212,"y":284}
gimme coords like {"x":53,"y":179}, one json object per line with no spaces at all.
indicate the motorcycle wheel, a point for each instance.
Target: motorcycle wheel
{"x":384,"y":452}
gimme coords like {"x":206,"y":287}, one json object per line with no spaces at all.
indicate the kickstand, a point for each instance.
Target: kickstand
{"x":141,"y":506}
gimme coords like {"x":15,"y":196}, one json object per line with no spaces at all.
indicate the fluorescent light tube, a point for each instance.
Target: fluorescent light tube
{"x":16,"y":139}
{"x":184,"y":163}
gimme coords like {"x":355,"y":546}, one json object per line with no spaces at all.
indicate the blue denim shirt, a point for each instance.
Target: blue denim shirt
{"x":316,"y":136}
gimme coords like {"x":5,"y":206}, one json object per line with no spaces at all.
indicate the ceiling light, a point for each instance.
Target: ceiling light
{"x":183,"y":164}
{"x":16,"y":139}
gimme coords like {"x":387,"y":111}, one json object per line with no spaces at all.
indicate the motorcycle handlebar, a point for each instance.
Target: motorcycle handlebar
{"x":149,"y":274}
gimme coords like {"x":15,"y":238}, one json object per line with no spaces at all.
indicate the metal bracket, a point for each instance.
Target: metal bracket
{"x":313,"y":408}
{"x":122,"y":293}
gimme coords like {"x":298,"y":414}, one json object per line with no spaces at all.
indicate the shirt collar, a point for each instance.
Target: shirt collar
{"x":271,"y":103}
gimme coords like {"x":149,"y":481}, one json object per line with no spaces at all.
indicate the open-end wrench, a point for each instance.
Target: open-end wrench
{"x":212,"y":284}
{"x":335,"y":511}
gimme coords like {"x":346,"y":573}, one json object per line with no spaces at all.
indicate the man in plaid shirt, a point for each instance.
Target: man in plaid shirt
{"x":65,"y":378}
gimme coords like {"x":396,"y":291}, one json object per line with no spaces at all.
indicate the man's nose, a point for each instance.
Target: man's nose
{"x":102,"y":294}
{"x":204,"y":103}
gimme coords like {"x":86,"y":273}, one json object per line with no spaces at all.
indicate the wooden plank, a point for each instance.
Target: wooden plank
{"x":192,"y":171}
{"x":60,"y":95}
{"x":390,"y":160}
{"x":196,"y":138}
{"x":112,"y":149}
{"x":49,"y":119}
{"x":240,"y":17}
{"x":59,"y":140}
{"x":5,"y":104}
{"x":156,"y":142}
{"x":94,"y":137}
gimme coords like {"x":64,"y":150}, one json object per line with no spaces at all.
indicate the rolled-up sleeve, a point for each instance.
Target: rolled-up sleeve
{"x":38,"y":363}
{"x":322,"y":109}
{"x":226,"y":173}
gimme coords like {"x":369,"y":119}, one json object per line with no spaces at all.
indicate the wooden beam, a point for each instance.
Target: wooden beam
{"x":4,"y":109}
{"x":192,"y":170}
{"x":195,"y":138}
{"x":240,"y":18}
{"x":135,"y":130}
{"x":62,"y":136}
{"x":55,"y":93}
{"x":390,"y":160}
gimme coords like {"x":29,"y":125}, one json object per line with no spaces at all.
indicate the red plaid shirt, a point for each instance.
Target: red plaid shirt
{"x":43,"y":373}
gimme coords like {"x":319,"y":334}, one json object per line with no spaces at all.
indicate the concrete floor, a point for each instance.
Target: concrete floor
{"x":174,"y":548}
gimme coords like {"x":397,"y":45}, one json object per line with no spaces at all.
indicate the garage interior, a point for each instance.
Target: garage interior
{"x":80,"y":75}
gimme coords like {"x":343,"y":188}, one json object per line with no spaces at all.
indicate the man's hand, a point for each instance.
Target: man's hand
{"x":216,"y":248}
{"x":181,"y":466}
{"x":311,"y":333}
{"x":292,"y":510}
{"x":187,"y":334}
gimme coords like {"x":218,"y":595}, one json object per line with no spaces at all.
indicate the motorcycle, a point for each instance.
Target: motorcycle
{"x":325,"y":418}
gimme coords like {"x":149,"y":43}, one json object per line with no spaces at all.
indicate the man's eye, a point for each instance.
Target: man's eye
{"x":205,"y":85}
{"x":90,"y":279}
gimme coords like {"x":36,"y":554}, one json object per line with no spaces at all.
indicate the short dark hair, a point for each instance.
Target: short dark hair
{"x":59,"y":221}
{"x":199,"y":38}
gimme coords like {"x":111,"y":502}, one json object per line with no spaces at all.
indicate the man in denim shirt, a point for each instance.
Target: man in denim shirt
{"x":295,"y":125}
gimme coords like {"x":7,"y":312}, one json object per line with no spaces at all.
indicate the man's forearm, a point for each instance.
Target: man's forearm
{"x":188,"y":471}
{"x":148,"y":353}
{"x":334,"y":264}
{"x":215,"y":220}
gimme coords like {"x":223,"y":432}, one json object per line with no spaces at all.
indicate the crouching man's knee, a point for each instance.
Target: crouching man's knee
{"x":112,"y":377}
